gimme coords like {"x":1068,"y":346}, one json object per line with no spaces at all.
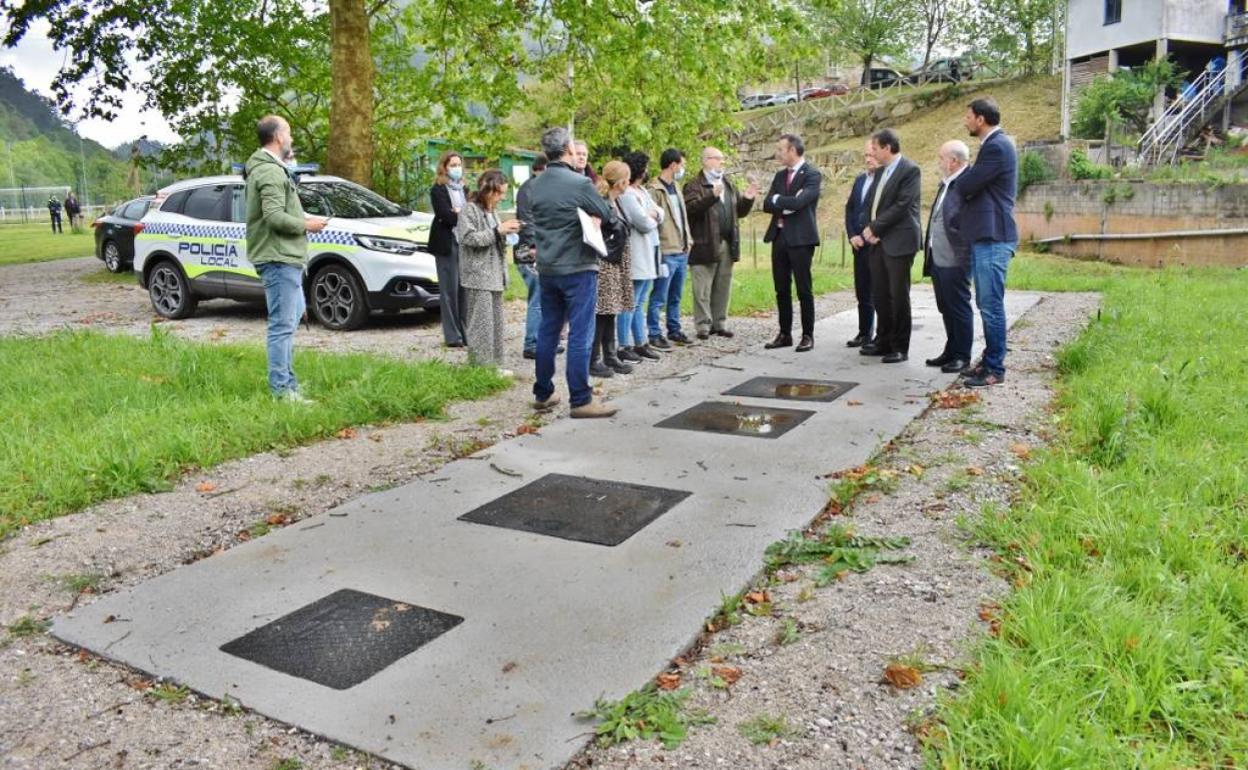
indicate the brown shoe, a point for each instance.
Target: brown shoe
{"x":594,"y":408}
{"x":807,"y":343}
{"x":549,"y":403}
{"x":781,"y":341}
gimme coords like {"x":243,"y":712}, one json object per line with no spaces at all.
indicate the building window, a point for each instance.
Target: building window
{"x":1113,"y":11}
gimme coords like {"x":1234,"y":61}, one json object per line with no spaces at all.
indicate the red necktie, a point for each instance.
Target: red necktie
{"x":789,"y":184}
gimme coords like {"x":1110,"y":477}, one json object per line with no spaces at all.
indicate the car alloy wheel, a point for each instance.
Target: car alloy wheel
{"x":112,"y":257}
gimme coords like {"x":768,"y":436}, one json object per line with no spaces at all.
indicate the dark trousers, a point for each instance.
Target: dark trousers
{"x":56,"y":222}
{"x":953,"y":300}
{"x":793,"y":263}
{"x":452,"y":296}
{"x":890,"y":288}
{"x":862,"y":290}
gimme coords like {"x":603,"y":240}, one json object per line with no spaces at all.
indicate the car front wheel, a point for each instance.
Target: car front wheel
{"x":170,"y":292}
{"x":112,"y":258}
{"x":338,"y":300}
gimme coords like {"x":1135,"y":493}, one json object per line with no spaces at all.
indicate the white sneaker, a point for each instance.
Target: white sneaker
{"x":295,"y":397}
{"x":509,"y":374}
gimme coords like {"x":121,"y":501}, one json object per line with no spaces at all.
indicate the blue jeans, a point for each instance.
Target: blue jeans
{"x":571,"y":298}
{"x":283,"y":296}
{"x":533,"y":318}
{"x":990,"y":260}
{"x":632,"y":324}
{"x":667,"y":293}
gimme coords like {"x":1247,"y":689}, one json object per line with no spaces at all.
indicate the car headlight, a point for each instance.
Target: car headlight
{"x":387,"y":245}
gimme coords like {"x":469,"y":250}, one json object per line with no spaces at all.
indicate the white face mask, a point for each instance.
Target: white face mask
{"x":715,"y":176}
{"x":679,"y":175}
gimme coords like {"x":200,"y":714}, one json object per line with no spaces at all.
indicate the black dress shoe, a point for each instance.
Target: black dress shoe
{"x":722,"y":333}
{"x":859,"y":341}
{"x":895,"y":358}
{"x":871,"y":349}
{"x":530,"y":354}
{"x":954,"y":365}
{"x":939,"y":360}
{"x":704,"y":336}
{"x":807,"y":343}
{"x":781,"y":341}
{"x":679,"y":337}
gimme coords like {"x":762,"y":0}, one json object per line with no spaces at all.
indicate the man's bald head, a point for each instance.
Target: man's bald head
{"x":953,"y":155}
{"x":273,"y":132}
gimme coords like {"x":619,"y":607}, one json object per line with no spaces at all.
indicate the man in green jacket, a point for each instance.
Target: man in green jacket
{"x":277,"y":245}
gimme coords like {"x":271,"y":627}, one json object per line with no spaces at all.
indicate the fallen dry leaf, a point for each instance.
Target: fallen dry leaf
{"x":526,"y":429}
{"x":509,"y":666}
{"x":757,"y":597}
{"x":974,"y":470}
{"x":205,"y":486}
{"x":730,"y":674}
{"x":902,"y":677}
{"x":376,"y":437}
{"x":244,"y":535}
{"x":277,"y":519}
{"x":1021,"y":451}
{"x":668,"y":681}
{"x":852,"y":402}
{"x":346,"y":433}
{"x":954,"y":399}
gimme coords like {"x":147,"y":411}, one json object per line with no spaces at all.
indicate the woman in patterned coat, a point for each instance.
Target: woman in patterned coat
{"x":615,"y":284}
{"x":483,"y":243}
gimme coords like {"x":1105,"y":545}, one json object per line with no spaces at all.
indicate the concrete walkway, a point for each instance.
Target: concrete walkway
{"x":391,"y":625}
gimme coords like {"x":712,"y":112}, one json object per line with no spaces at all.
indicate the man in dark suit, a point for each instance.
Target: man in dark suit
{"x":987,"y":223}
{"x":947,"y":259}
{"x":895,"y":235}
{"x":793,"y":234}
{"x":856,"y":209}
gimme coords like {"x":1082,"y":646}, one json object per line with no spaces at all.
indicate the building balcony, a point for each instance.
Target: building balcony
{"x":1236,"y":30}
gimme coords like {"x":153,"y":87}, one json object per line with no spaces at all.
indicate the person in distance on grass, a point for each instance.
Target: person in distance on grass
{"x":483,"y":242}
{"x":987,"y":223}
{"x":947,"y":260}
{"x":277,"y":245}
{"x":895,"y":236}
{"x":714,"y":205}
{"x":793,"y":202}
{"x":855,"y":219}
{"x":54,"y":208}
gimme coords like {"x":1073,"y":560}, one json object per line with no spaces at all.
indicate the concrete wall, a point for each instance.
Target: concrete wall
{"x":1058,"y":209}
{"x":1143,"y":21}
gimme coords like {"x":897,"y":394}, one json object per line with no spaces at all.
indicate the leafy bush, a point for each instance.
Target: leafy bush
{"x":1032,"y":168}
{"x":1125,"y":97}
{"x":1080,"y":167}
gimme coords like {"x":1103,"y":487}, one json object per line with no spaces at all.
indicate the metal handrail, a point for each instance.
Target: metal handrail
{"x":1164,"y":139}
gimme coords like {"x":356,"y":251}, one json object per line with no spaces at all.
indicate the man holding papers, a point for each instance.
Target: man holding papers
{"x":558,"y":200}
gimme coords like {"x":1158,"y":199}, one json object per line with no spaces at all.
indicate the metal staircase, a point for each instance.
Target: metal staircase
{"x":1185,"y":117}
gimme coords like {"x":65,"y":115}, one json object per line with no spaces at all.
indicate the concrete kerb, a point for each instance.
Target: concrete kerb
{"x":549,"y":624}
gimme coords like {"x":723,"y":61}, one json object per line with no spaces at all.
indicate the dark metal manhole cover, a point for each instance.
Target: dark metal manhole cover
{"x":792,"y":389}
{"x":737,"y":419}
{"x":342,"y":639}
{"x":577,"y":508}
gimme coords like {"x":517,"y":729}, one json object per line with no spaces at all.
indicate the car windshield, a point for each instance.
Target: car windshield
{"x":350,"y":201}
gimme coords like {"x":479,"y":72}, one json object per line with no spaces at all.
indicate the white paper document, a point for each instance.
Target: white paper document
{"x":591,"y":233}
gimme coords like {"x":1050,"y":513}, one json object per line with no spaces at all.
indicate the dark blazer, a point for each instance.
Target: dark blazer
{"x":801,"y":198}
{"x":951,"y":213}
{"x":988,"y":189}
{"x":856,"y":208}
{"x":897,"y":222}
{"x":441,"y":234}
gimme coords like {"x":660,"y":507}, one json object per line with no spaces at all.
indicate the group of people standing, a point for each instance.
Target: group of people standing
{"x":72,"y":209}
{"x":970,"y":239}
{"x":621,"y":308}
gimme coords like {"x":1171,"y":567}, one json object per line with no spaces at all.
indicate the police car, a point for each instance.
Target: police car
{"x":192,"y":245}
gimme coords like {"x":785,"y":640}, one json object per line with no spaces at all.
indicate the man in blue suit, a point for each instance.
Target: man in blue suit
{"x":987,"y":223}
{"x":855,"y":220}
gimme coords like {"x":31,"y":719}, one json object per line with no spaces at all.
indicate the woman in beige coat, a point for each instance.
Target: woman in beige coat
{"x":483,"y":243}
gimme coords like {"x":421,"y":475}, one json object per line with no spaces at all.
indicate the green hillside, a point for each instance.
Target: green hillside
{"x":38,"y":149}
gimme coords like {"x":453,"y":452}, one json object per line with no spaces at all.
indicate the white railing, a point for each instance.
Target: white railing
{"x":39,"y":214}
{"x":1196,"y":104}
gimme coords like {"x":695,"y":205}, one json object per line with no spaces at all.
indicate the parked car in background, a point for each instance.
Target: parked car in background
{"x":115,"y":231}
{"x":756,"y":100}
{"x":882,"y":77}
{"x":822,"y":92}
{"x":787,"y":98}
{"x":951,"y":70}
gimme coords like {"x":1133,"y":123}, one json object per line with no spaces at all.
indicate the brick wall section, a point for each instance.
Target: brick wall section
{"x":1069,"y":208}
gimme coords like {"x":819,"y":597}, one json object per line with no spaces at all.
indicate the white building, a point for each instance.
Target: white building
{"x":1103,"y":35}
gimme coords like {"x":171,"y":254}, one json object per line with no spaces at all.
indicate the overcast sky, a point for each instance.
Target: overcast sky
{"x":35,"y":62}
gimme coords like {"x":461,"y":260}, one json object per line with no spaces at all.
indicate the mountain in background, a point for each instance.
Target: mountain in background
{"x":38,"y":148}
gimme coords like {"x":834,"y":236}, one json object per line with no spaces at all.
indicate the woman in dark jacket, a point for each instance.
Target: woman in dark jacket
{"x":448,"y":198}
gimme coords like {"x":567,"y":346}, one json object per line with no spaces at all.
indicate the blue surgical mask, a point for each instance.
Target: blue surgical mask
{"x":456,"y":173}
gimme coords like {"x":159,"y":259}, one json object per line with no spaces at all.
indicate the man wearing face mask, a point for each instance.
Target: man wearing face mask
{"x":714,"y":206}
{"x":277,"y":245}
{"x":674,"y":242}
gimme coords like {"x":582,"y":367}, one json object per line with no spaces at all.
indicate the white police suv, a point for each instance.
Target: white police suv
{"x":371,"y":256}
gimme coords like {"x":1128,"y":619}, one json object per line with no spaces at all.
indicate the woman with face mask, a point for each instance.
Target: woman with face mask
{"x":483,"y":269}
{"x":448,"y":199}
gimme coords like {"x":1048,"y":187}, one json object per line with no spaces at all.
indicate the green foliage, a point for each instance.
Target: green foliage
{"x":838,"y":550}
{"x":28,"y":626}
{"x":1033,"y":169}
{"x":103,"y":416}
{"x":1123,"y":644}
{"x":1125,"y":97}
{"x":1080,"y":167}
{"x":871,"y":30}
{"x":765,"y":728}
{"x":646,"y":714}
{"x":1010,"y":35}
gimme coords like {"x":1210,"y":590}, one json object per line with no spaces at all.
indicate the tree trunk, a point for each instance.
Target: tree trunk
{"x":866,"y":68}
{"x":350,"y":150}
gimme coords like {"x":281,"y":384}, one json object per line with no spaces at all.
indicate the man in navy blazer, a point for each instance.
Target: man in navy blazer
{"x":947,"y":259}
{"x":987,"y":223}
{"x":793,"y":234}
{"x":856,"y":209}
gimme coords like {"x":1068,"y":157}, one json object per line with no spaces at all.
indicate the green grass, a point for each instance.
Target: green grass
{"x":1125,"y":642}
{"x":765,"y":728}
{"x":37,"y":243}
{"x":90,"y":417}
{"x":645,"y":714}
